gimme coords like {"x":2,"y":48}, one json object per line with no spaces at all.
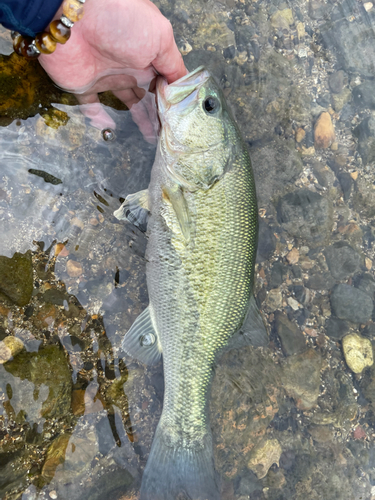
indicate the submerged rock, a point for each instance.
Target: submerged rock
{"x":306,"y":214}
{"x":10,"y":347}
{"x":266,"y":453}
{"x":324,"y":132}
{"x":342,"y":260}
{"x":301,"y":378}
{"x":16,"y":278}
{"x":292,"y":339}
{"x":244,"y":401}
{"x":351,"y":304}
{"x":357,"y":352}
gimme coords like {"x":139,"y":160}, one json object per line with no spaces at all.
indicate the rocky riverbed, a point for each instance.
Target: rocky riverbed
{"x":294,"y":420}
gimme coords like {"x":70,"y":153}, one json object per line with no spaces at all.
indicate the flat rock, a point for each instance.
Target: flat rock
{"x":336,"y":328}
{"x":16,"y":278}
{"x":364,"y":197}
{"x":291,"y":337}
{"x":337,"y":80}
{"x":357,"y":352}
{"x":301,"y":378}
{"x":365,"y":132}
{"x":342,"y":260}
{"x":275,"y":166}
{"x":306,"y":214}
{"x":351,"y":304}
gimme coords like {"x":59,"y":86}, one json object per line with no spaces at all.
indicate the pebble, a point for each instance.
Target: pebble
{"x":77,"y":222}
{"x":263,"y":456}
{"x":342,"y":260}
{"x":357,"y":352}
{"x":300,"y":134}
{"x":293,"y":303}
{"x":16,"y":278}
{"x":74,"y":268}
{"x":306,"y":214}
{"x":9,"y":348}
{"x":368,"y":263}
{"x":293,"y":256}
{"x":351,"y":304}
{"x":339,"y":100}
{"x":274,"y":299}
{"x":61,"y":250}
{"x":53,"y":494}
{"x":292,"y":339}
{"x":282,"y":19}
{"x":301,"y":378}
{"x":324,"y":132}
{"x":336,"y":81}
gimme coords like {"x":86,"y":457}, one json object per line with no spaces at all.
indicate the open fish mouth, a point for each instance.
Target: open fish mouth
{"x":176,"y":92}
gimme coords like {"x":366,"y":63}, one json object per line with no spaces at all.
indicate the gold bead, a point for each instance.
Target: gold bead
{"x":73,"y":10}
{"x":45,"y":43}
{"x":59,"y":31}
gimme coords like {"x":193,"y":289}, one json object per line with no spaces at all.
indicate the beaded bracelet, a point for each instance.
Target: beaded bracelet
{"x":59,"y":32}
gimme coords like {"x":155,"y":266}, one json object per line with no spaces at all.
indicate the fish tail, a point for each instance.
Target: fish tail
{"x":179,"y":473}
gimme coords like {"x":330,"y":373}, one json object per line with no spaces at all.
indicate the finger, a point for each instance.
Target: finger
{"x":169,"y":62}
{"x":143,"y":113}
{"x":90,"y":107}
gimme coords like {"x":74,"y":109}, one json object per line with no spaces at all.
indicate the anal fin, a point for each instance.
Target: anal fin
{"x":141,"y":341}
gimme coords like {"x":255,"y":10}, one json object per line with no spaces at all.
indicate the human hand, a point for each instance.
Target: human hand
{"x":118,"y":45}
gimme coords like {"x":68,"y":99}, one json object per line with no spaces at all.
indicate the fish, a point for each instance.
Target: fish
{"x":202,"y":230}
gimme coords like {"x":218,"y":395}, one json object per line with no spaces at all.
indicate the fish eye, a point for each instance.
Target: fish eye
{"x":211,"y":105}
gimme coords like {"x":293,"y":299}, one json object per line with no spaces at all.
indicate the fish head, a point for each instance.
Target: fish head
{"x":196,"y":139}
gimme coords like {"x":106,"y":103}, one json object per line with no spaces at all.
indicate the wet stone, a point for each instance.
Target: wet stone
{"x":278,"y":273}
{"x":48,"y":371}
{"x":292,"y":339}
{"x":266,"y":242}
{"x":306,"y":214}
{"x":55,"y":296}
{"x":339,"y":100}
{"x":336,"y":328}
{"x":342,"y":260}
{"x":16,"y":278}
{"x":363,"y":95}
{"x":320,"y":281}
{"x":275,"y":166}
{"x":366,"y":283}
{"x":351,"y":40}
{"x":346,"y":183}
{"x":337,"y":80}
{"x":350,"y":303}
{"x":266,"y":453}
{"x":9,"y":348}
{"x":365,"y":132}
{"x":301,"y":378}
{"x":324,"y":132}
{"x":357,"y":352}
{"x":364,"y":197}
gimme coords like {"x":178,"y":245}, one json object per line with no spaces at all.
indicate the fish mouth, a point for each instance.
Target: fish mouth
{"x":176,"y":92}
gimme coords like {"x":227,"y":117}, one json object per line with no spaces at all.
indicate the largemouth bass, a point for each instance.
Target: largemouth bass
{"x":202,"y":231}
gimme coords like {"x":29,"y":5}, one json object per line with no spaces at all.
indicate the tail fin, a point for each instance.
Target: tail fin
{"x":179,"y":473}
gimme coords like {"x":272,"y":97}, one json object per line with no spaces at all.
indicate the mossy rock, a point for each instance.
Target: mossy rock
{"x":16,"y":278}
{"x":48,"y":367}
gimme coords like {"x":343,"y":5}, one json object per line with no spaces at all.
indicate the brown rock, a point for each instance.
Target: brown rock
{"x":293,"y":256}
{"x":74,"y":268}
{"x":324,"y":132}
{"x":300,"y":134}
{"x":61,"y":250}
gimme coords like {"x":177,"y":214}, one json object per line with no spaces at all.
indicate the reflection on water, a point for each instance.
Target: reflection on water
{"x":293,"y":421}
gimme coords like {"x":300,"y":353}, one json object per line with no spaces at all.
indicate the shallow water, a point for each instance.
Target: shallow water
{"x":293,"y":421}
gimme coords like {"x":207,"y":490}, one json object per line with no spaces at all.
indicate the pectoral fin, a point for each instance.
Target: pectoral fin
{"x":253,"y":331}
{"x":141,"y":341}
{"x":135,"y":210}
{"x":176,"y":197}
